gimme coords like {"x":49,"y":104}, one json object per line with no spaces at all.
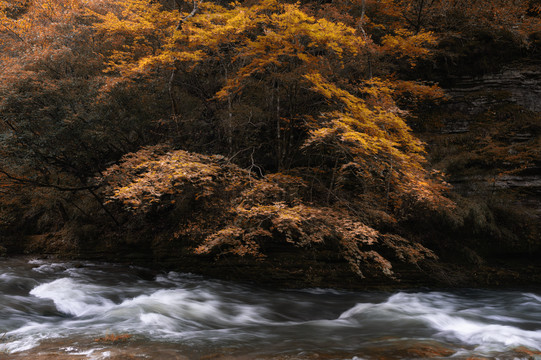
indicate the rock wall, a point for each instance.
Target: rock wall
{"x":487,"y":139}
{"x":522,"y":83}
{"x":519,"y":84}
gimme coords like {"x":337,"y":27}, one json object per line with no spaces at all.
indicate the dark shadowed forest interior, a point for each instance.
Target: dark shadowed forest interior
{"x":350,"y":143}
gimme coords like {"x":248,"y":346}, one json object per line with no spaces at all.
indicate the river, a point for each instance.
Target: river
{"x":81,"y":310}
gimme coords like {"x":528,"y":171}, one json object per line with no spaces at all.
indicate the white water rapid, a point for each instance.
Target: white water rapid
{"x":66,"y":308}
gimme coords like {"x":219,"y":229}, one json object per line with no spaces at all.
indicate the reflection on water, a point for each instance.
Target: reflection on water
{"x":63,"y":308}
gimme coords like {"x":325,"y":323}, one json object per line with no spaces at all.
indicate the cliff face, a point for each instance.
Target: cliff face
{"x":520,"y":84}
{"x":487,"y":138}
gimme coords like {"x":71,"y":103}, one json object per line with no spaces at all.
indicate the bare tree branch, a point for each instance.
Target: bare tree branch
{"x":25,"y":181}
{"x":194,"y":11}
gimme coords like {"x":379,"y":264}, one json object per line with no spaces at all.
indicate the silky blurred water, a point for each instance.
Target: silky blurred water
{"x":74,"y":304}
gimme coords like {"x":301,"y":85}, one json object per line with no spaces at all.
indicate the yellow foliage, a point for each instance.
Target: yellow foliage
{"x":409,"y":45}
{"x":269,"y":44}
{"x":243,"y":221}
{"x":374,"y":137}
{"x":145,"y":177}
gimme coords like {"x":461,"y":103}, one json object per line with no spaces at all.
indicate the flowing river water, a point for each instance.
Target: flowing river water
{"x":53,"y":310}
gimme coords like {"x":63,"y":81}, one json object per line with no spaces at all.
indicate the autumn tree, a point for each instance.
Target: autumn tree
{"x":276,"y":89}
{"x":62,"y":120}
{"x":57,"y":107}
{"x":228,"y":211}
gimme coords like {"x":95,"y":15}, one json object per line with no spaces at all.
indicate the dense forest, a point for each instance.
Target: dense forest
{"x":344,"y":143}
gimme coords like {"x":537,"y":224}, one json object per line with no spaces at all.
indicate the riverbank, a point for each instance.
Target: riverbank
{"x":289,"y":268}
{"x":299,"y":272}
{"x":427,"y":350}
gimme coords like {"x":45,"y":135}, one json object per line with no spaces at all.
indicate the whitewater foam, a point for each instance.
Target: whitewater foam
{"x":86,"y":301}
{"x":73,"y":298}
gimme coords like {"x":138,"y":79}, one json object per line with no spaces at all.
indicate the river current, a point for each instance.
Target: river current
{"x":86,"y":310}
